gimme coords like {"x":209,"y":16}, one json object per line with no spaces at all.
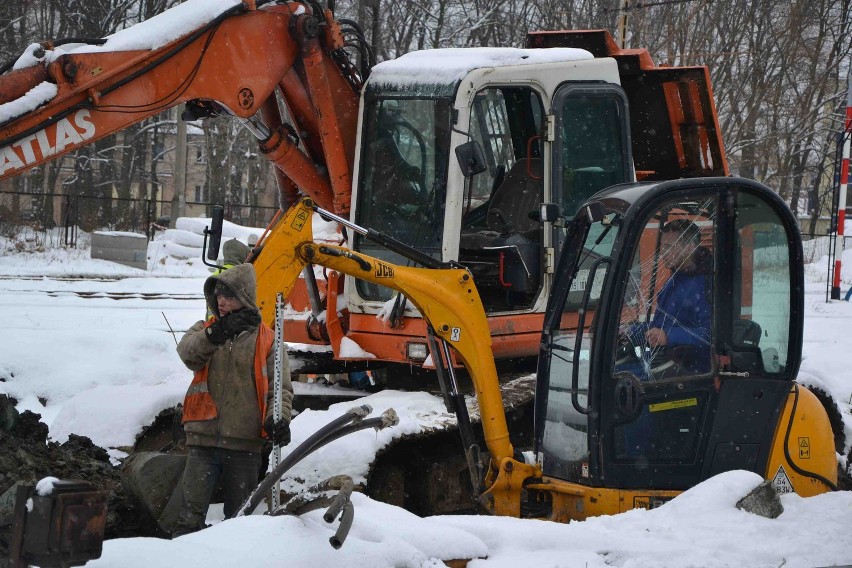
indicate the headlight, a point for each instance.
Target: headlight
{"x":416,"y":351}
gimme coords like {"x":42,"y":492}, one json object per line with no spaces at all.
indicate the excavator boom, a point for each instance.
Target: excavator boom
{"x":447,"y":298}
{"x":231,"y":64}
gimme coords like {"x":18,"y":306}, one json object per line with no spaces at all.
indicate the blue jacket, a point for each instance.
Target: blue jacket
{"x":683,"y":310}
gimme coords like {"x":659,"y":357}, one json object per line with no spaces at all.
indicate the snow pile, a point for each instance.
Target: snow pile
{"x":42,"y":254}
{"x":197,"y":225}
{"x":353,"y":454}
{"x":439,"y":66}
{"x":382,"y":535}
{"x":701,"y":527}
{"x":150,"y":34}
{"x":45,"y":486}
{"x":164,"y":27}
{"x":349,"y":349}
{"x":96,"y":358}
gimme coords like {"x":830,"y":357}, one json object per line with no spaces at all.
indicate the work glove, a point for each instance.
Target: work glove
{"x":215,"y":333}
{"x":278,"y":432}
{"x":237,"y":322}
{"x":231,"y":325}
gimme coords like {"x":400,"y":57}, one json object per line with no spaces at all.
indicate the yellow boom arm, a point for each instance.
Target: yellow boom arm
{"x":448,"y":300}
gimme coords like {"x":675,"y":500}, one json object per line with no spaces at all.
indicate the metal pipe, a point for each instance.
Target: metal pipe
{"x":345,"y":524}
{"x":256,"y":127}
{"x":338,"y":219}
{"x":299,"y":454}
{"x":340,"y":500}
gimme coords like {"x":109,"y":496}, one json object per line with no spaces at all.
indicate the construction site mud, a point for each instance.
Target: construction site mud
{"x":26,"y":456}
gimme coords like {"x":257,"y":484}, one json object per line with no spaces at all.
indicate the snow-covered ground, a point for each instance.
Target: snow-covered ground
{"x":88,"y":344}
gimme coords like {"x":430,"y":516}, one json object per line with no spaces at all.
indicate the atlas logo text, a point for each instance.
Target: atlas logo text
{"x":52,"y":140}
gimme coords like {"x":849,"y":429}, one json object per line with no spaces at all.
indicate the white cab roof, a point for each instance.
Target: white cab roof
{"x":443,"y":66}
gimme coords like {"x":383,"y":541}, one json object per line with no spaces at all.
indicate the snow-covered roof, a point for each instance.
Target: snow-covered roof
{"x":449,"y":66}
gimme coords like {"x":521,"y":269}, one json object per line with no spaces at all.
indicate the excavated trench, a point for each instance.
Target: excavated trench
{"x":425,"y":474}
{"x":26,"y":457}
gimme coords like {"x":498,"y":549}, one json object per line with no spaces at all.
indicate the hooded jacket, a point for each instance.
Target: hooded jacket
{"x":235,"y":252}
{"x":231,"y":376}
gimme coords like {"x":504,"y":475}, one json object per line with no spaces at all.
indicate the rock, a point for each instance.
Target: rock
{"x":7,"y":505}
{"x":8,"y":414}
{"x":763,"y":501}
{"x":30,"y":426}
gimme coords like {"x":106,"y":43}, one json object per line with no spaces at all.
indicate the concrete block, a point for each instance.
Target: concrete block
{"x":129,"y":249}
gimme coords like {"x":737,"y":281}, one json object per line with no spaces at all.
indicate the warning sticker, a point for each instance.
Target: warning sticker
{"x":683,"y":403}
{"x":781,"y":482}
{"x":455,"y":334}
{"x":300,"y":220}
{"x":805,"y":448}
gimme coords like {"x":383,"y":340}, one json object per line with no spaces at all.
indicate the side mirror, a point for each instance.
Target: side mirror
{"x":215,"y":232}
{"x":549,"y":212}
{"x":471,"y":158}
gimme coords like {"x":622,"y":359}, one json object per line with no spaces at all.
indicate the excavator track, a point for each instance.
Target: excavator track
{"x":426,"y":473}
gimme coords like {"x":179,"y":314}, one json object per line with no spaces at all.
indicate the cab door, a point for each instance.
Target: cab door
{"x":707,"y":398}
{"x":658,"y":383}
{"x":591,"y":146}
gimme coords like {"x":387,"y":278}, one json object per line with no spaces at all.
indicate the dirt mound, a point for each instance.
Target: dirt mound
{"x":27,"y":456}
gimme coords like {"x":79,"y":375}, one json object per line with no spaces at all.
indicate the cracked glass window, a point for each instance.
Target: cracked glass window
{"x":665,"y":326}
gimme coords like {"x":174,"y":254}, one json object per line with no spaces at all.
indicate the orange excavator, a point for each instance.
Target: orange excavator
{"x":448,"y":151}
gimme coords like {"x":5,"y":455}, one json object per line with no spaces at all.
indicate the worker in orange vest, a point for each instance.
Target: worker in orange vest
{"x":227,"y":411}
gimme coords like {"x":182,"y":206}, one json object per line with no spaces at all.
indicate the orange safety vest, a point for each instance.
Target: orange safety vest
{"x":198,"y":405}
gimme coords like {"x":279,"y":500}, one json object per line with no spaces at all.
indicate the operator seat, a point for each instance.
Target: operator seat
{"x":506,"y":252}
{"x":509,"y":207}
{"x":513,"y":200}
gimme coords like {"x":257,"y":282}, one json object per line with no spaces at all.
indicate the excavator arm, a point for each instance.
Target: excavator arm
{"x":448,"y":300}
{"x":232,"y":64}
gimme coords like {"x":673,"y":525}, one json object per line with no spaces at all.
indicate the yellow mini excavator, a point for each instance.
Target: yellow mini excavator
{"x":623,"y":420}
{"x":669,"y":354}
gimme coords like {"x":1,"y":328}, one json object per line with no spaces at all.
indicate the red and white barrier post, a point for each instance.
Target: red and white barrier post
{"x":841,"y":202}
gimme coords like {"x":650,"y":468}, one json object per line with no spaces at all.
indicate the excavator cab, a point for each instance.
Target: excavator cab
{"x":542,"y":126}
{"x":458,"y":149}
{"x":672,"y":342}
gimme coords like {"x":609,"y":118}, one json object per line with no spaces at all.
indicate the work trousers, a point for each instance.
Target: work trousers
{"x":206,"y":468}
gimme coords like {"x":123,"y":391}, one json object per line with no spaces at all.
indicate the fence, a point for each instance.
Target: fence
{"x":70,"y":213}
{"x":815,"y":247}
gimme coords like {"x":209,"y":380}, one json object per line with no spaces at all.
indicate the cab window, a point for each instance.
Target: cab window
{"x":665,"y":326}
{"x":762,"y":294}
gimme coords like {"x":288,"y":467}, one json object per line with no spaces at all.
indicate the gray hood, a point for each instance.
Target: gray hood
{"x":235,"y":252}
{"x":240,"y":279}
